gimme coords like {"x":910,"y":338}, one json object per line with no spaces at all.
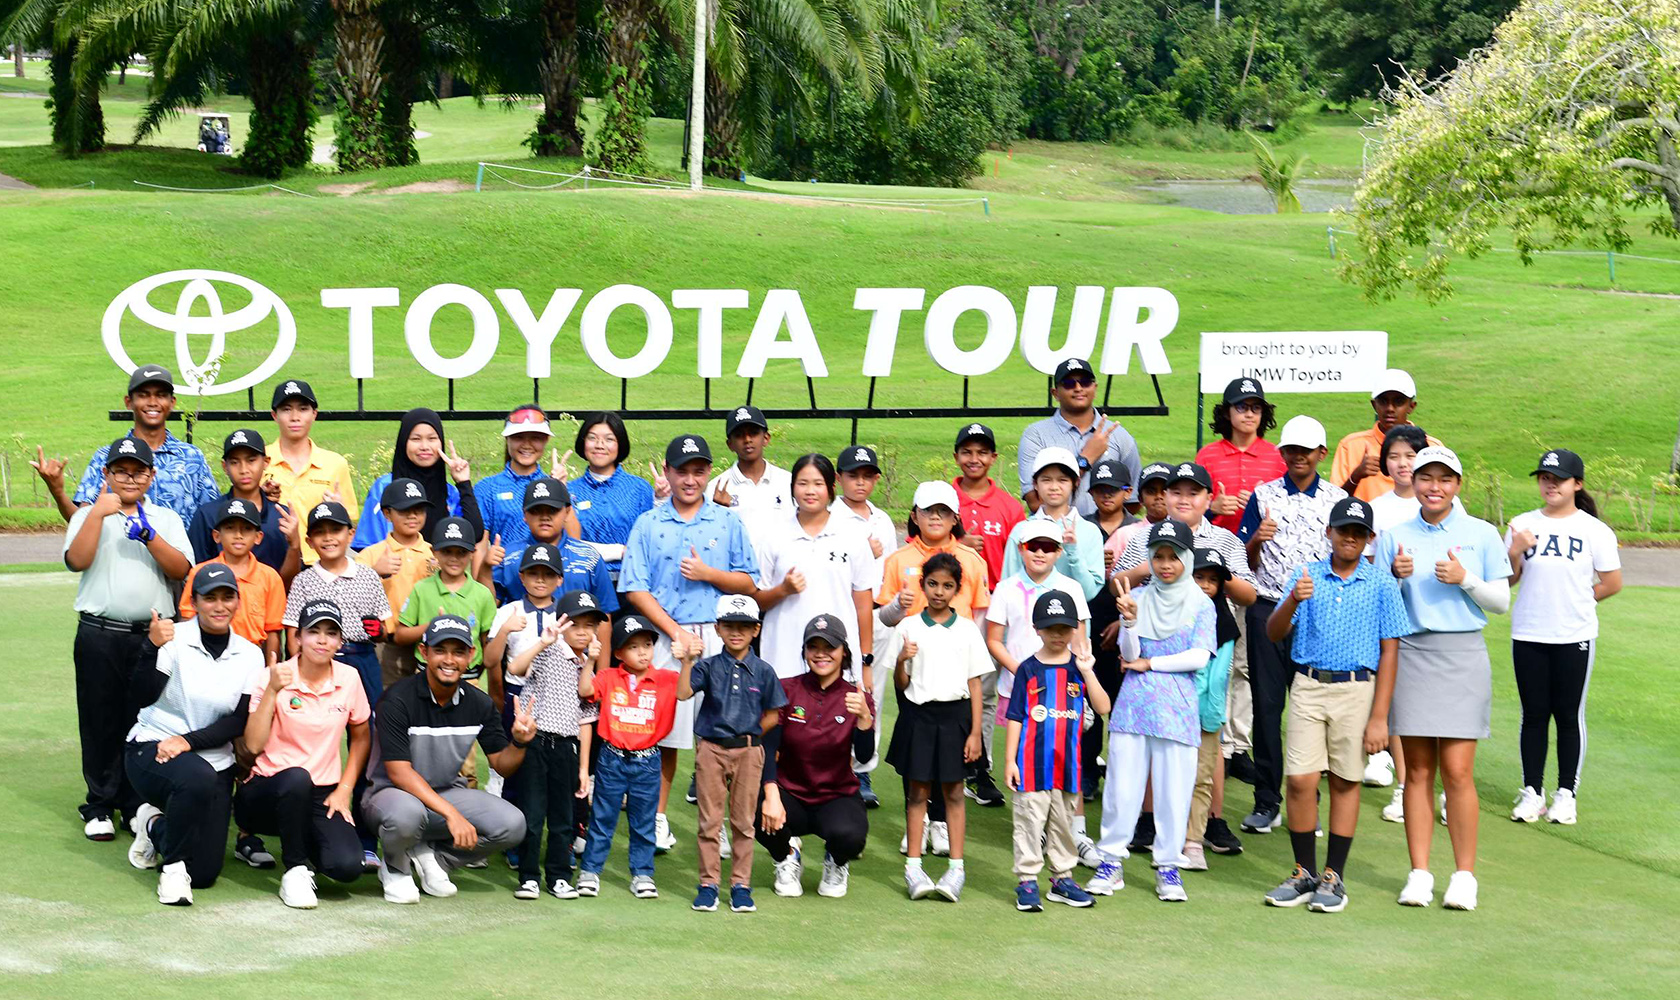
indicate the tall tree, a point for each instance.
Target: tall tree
{"x":358,"y":63}
{"x":78,"y":121}
{"x":620,"y":141}
{"x":558,"y":131}
{"x":1357,"y":43}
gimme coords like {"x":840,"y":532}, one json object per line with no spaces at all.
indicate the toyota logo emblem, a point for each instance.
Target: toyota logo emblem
{"x":198,"y":313}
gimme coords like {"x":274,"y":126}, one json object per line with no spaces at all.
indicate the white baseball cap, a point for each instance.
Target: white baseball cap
{"x":937,"y":494}
{"x":1394,"y":380}
{"x":1040,"y":527}
{"x":1302,"y":431}
{"x":1437,"y":454}
{"x":1047,"y":457}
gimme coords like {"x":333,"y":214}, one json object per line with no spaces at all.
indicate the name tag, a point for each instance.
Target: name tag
{"x":505,"y":496}
{"x":582,"y":504}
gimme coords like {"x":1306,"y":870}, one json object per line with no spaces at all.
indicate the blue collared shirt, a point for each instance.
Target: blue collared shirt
{"x":659,"y":541}
{"x":501,"y":500}
{"x":738,"y":693}
{"x":1435,"y":606}
{"x":607,"y":508}
{"x":373,"y":527}
{"x":1341,"y":627}
{"x":581,"y":568}
{"x":271,"y":551}
{"x":181,"y":478}
{"x":1055,"y":431}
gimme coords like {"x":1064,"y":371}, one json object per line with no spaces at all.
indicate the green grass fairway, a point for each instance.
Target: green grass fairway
{"x":1583,"y":911}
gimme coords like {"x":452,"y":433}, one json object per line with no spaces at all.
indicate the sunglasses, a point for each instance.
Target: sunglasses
{"x":1078,"y":383}
{"x":1246,"y":406}
{"x":1043,"y":545}
{"x":527,"y":417}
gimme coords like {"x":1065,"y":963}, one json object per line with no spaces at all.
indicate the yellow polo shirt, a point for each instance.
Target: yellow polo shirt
{"x":416,"y":566}
{"x":301,"y":489}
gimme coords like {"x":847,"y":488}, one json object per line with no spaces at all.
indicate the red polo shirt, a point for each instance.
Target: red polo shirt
{"x":1235,"y":469}
{"x":635,"y":719}
{"x":991,"y":517}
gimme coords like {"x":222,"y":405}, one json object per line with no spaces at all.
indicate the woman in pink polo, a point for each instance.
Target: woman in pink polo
{"x":297,"y":788}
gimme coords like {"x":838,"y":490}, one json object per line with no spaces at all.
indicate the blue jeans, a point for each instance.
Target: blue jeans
{"x":616,"y":776}
{"x":361,"y":655}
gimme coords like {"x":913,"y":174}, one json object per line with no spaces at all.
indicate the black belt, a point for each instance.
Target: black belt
{"x":629,"y":754}
{"x":113,"y":624}
{"x":1335,"y":676}
{"x":736,"y":742}
{"x":551,"y":739}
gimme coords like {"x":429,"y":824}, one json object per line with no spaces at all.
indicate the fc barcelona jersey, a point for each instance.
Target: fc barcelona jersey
{"x":1048,"y":700}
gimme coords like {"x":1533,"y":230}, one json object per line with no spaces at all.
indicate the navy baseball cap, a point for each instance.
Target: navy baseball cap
{"x":454,"y":533}
{"x":858,"y":456}
{"x":826,"y":627}
{"x":1052,"y":608}
{"x":1561,"y":463}
{"x":214,"y":576}
{"x":295,"y":388}
{"x":1352,"y":510}
{"x":744,"y":416}
{"x":1075,"y":368}
{"x":1111,"y":473}
{"x":1170,"y":532}
{"x":403,"y":494}
{"x":685,"y":449}
{"x":319,"y":611}
{"x":975,"y":432}
{"x":629,"y":627}
{"x":232,"y":508}
{"x":547,"y":492}
{"x":1192,"y":473}
{"x":574,"y":604}
{"x":540,"y":556}
{"x":151,"y":375}
{"x":130,"y":448}
{"x":448,"y":627}
{"x":243,"y":438}
{"x":328,"y":512}
{"x":1239,"y":389}
{"x":1154,"y":471}
{"x":1207,"y":558}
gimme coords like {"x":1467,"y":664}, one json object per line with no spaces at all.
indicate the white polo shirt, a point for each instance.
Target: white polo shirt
{"x":200,"y":689}
{"x":759,"y":504}
{"x":836,"y":562}
{"x":877,"y":525}
{"x":947,"y":655}
{"x":1012,"y":606}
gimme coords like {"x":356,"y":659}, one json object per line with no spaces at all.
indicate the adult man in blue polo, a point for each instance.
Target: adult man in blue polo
{"x":1077,"y":426}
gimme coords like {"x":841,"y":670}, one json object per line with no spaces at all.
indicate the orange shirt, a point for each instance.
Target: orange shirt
{"x":262,"y":599}
{"x":1351,"y":451}
{"x":309,"y":723}
{"x":416,"y":566}
{"x":904,"y":568}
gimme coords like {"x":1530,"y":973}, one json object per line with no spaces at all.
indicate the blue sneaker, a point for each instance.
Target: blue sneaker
{"x":866,"y":791}
{"x":740,"y":899}
{"x":706,"y":899}
{"x":1026,"y":896}
{"x":1066,"y":890}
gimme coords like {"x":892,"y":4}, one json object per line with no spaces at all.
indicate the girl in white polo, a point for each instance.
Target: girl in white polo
{"x":1566,"y":561}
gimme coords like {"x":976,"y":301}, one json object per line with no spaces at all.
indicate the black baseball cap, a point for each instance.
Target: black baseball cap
{"x":547,"y":492}
{"x":1111,"y":473}
{"x":1154,"y":471}
{"x":243,"y":438}
{"x":1170,"y":532}
{"x":1054,"y":607}
{"x":293,"y":389}
{"x":858,"y":456}
{"x":454,"y":533}
{"x":574,"y":604}
{"x":971,"y":432}
{"x":1207,"y":558}
{"x":214,"y":576}
{"x":319,"y":611}
{"x":1239,"y":389}
{"x":744,"y":416}
{"x":231,"y":508}
{"x":403,"y":494}
{"x":448,"y":627}
{"x":685,"y":449}
{"x":1561,"y":463}
{"x":131,"y":448}
{"x":328,"y":512}
{"x":1075,"y":368}
{"x":149,"y":374}
{"x":1352,"y":510}
{"x":826,"y":627}
{"x":540,"y":555}
{"x":1190,"y":472}
{"x":629,"y":627}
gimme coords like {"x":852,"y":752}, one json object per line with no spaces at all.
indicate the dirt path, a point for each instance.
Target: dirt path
{"x":13,"y":184}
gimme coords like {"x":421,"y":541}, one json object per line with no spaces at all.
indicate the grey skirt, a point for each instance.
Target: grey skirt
{"x":1444,"y":686}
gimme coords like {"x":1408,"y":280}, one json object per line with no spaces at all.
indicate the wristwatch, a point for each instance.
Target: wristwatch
{"x":868,"y":659}
{"x":1084,"y":464}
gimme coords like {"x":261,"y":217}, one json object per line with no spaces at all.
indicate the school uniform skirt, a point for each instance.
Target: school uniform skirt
{"x":1444,"y":687}
{"x":927,"y":741}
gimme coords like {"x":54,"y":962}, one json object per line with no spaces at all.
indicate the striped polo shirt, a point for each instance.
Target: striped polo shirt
{"x":1048,"y":700}
{"x":435,"y":739}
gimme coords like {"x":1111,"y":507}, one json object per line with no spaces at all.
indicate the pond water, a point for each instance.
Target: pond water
{"x":1247,"y":197}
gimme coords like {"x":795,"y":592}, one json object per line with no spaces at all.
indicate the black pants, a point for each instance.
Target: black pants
{"x":104,"y":712}
{"x":1552,"y":685}
{"x":548,"y":783}
{"x":290,"y":804}
{"x":195,"y":799}
{"x":1270,"y":670}
{"x":842,"y":823}
{"x":1091,"y":746}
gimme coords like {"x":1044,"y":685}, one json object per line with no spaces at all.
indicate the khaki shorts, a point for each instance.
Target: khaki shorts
{"x":1327,"y":727}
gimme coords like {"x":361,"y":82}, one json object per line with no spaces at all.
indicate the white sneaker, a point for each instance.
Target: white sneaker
{"x":939,"y":839}
{"x":1089,"y":856}
{"x":398,"y":888}
{"x":663,"y":838}
{"x":835,"y":879}
{"x":1461,"y":892}
{"x":1193,"y":858}
{"x":1562,"y":809}
{"x":643,"y":887}
{"x":175,"y":885}
{"x":1419,"y":890}
{"x":297,"y":888}
{"x":788,"y":872}
{"x":1379,"y":770}
{"x":563,"y":889}
{"x":724,"y":850}
{"x":1530,"y":806}
{"x":589,"y":883}
{"x":528,"y":889}
{"x":904,"y":841}
{"x":1395,"y":811}
{"x":100,"y":828}
{"x":142,"y":853}
{"x":433,"y":879}
{"x":1441,"y":805}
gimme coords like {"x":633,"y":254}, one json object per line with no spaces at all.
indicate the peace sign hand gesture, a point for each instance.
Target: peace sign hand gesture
{"x":458,"y":467}
{"x":1126,"y":604}
{"x":524,"y":719}
{"x":661,"y":485}
{"x":551,"y":631}
{"x":560,"y":466}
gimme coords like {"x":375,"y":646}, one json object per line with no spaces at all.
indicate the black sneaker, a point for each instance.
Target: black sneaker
{"x":693,"y":794}
{"x":982,"y":790}
{"x":251,"y":850}
{"x":1241,"y":767}
{"x":1143,"y":836}
{"x":1219,"y":839}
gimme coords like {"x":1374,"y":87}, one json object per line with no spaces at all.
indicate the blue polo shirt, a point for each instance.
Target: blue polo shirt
{"x":581,"y":568}
{"x":659,"y":541}
{"x":738,"y":693}
{"x":1435,"y":606}
{"x":181,"y":478}
{"x":271,"y":551}
{"x":501,"y":500}
{"x":607,"y":508}
{"x":1341,"y":627}
{"x":1055,"y":430}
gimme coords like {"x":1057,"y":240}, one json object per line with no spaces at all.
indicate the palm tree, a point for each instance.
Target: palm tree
{"x":620,"y":141}
{"x":359,"y":65}
{"x":558,"y":132}
{"x":78,"y":122}
{"x":1278,"y":173}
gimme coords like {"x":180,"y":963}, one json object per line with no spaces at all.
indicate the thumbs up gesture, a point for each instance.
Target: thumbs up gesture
{"x":908,"y":651}
{"x":1449,"y":570}
{"x":1522,"y":539}
{"x":1402,"y":563}
{"x":516,"y":622}
{"x":694,"y":568}
{"x":1368,"y":466}
{"x":161,"y":631}
{"x":280,"y":675}
{"x":495,"y":554}
{"x":1267,"y":529}
{"x":388,"y":563}
{"x":1303,"y":587}
{"x":1223,"y":502}
{"x":794,"y":581}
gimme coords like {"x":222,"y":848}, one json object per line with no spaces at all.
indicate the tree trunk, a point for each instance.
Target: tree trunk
{"x":1666,"y":184}
{"x":723,"y":130}
{"x":78,"y":122}
{"x":122,"y":73}
{"x":17,"y":59}
{"x":446,"y":85}
{"x":404,"y":55}
{"x":558,"y":132}
{"x":361,"y":79}
{"x":620,"y":142}
{"x":280,"y":69}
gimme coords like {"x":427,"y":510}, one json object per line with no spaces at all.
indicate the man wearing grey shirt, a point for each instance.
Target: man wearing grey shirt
{"x":1077,"y":426}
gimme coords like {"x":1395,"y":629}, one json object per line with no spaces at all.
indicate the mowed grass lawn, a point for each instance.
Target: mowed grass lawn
{"x":1582,"y":911}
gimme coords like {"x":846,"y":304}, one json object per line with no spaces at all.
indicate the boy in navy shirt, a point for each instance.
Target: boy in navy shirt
{"x":245,"y":460}
{"x":1046,"y":716}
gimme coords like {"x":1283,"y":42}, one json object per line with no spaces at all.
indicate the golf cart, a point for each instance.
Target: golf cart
{"x":214,"y":136}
